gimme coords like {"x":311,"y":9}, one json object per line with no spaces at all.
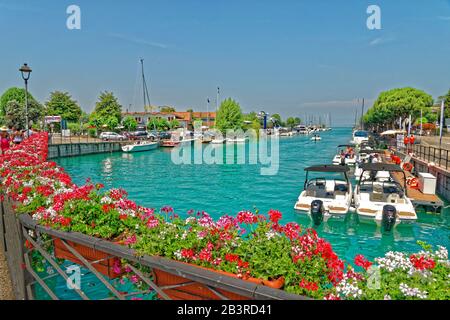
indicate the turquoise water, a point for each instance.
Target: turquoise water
{"x":153,"y":180}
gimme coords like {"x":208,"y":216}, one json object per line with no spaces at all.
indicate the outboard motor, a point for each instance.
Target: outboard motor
{"x":389,"y":217}
{"x":317,"y":211}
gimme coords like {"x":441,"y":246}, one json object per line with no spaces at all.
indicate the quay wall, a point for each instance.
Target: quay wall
{"x":442,"y":175}
{"x":79,"y":149}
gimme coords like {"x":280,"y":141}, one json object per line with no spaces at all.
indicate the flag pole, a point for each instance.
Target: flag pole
{"x":441,"y":124}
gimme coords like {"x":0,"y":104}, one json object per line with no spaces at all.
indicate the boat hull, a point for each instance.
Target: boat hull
{"x":140,"y":147}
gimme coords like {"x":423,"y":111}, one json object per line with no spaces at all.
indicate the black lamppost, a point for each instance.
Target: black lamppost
{"x":26,"y":70}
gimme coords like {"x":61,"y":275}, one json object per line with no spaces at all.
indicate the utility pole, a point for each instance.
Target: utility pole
{"x":217,"y":104}
{"x":362,"y":115}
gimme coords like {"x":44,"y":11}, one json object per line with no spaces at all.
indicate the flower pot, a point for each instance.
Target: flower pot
{"x":104,"y":263}
{"x":198,"y":291}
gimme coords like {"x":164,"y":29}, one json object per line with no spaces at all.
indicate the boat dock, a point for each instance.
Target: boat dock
{"x":418,"y":198}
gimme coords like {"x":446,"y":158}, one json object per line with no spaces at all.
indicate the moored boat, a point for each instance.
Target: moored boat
{"x":323,"y":198}
{"x":140,"y":146}
{"x":383,"y":201}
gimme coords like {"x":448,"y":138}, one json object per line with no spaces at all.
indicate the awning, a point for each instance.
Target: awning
{"x":328,"y":168}
{"x":392,"y":132}
{"x":381,"y":167}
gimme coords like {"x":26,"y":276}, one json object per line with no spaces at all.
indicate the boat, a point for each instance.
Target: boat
{"x":360,"y":136}
{"x":218,"y":141}
{"x":169,"y":143}
{"x":206,"y":139}
{"x":316,"y":138}
{"x":236,"y":140}
{"x":140,"y":146}
{"x":323,"y":198}
{"x":366,"y":156}
{"x":385,"y":202}
{"x":302,"y":129}
{"x":342,"y":157}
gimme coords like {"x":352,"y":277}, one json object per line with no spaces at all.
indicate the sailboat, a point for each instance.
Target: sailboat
{"x":140,"y":146}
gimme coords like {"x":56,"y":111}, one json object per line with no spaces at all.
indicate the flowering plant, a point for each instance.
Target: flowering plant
{"x":248,"y":245}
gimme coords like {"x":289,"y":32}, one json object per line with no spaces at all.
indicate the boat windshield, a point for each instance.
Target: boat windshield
{"x":326,"y":189}
{"x":387,"y":192}
{"x":361,"y":134}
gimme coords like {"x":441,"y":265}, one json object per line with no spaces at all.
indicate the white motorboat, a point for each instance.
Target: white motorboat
{"x":384,"y":202}
{"x":236,"y":140}
{"x":360,"y":136}
{"x":140,"y":146}
{"x":218,"y":141}
{"x":323,"y":198}
{"x":347,"y":157}
{"x":316,"y":138}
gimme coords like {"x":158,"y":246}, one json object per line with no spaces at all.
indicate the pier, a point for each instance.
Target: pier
{"x":418,"y":198}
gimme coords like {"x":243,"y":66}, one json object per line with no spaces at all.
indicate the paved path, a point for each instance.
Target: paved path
{"x":5,"y":282}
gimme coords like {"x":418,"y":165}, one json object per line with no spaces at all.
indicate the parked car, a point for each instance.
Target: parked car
{"x":105,"y":136}
{"x":138,"y":135}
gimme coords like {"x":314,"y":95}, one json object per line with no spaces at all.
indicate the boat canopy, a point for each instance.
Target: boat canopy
{"x":392,"y":132}
{"x":347,"y":145}
{"x":381,"y":167}
{"x":328,"y":168}
{"x":371,"y":151}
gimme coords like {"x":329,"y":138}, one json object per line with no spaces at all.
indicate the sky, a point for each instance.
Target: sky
{"x":295,"y":58}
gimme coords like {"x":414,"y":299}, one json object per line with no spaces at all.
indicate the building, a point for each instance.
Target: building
{"x":185,"y":118}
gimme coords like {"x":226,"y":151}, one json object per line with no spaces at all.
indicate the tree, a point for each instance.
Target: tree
{"x":292,"y":122}
{"x":396,"y":103}
{"x":277,"y":120}
{"x":62,"y":104}
{"x":229,"y":116}
{"x":14,"y":94}
{"x":130,"y":123}
{"x":106,"y":108}
{"x":167,"y":109}
{"x":173,"y":124}
{"x":15,"y":113}
{"x":446,"y":99}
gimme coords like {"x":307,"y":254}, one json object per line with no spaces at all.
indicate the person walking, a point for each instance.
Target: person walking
{"x":4,"y":139}
{"x":17,"y":136}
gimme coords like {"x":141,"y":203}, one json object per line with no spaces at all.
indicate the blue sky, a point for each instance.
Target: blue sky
{"x":289,"y":57}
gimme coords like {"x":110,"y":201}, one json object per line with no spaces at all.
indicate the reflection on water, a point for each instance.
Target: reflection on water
{"x":153,"y":180}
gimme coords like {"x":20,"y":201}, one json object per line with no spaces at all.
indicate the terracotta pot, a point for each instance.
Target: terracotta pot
{"x":198,"y":291}
{"x":105,"y":266}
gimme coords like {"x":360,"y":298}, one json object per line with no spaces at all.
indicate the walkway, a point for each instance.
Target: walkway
{"x":5,"y":282}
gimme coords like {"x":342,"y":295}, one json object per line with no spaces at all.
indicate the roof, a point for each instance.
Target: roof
{"x":381,"y":167}
{"x":328,"y":168}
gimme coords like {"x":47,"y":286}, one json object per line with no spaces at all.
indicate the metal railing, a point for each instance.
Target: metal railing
{"x":15,"y":231}
{"x":439,"y":156}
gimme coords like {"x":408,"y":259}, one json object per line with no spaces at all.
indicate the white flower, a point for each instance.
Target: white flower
{"x":178,"y":254}
{"x":387,"y":297}
{"x":270,"y":234}
{"x":412,"y":292}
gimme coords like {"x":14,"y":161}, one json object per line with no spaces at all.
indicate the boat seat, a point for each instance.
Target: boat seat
{"x":376,"y":197}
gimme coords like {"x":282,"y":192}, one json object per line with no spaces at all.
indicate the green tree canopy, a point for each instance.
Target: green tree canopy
{"x":15,"y":113}
{"x":291,"y":122}
{"x":14,"y":94}
{"x":130,"y":123}
{"x":229,"y":116}
{"x":106,"y":108}
{"x":446,"y":99}
{"x":396,"y":103}
{"x":167,"y":109}
{"x":62,"y":104}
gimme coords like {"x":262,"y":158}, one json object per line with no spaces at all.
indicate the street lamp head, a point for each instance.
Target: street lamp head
{"x":25,"y":70}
